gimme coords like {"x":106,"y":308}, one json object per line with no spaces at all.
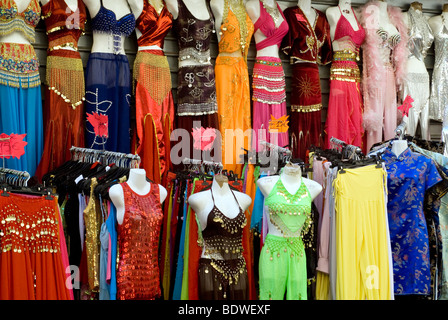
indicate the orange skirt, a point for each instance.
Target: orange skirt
{"x":233,"y":96}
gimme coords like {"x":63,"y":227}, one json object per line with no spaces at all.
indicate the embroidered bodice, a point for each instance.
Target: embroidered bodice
{"x":106,"y":21}
{"x":265,"y":23}
{"x":12,"y":20}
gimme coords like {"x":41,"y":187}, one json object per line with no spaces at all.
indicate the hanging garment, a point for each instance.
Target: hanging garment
{"x":63,"y":107}
{"x":282,"y":263}
{"x":417,"y":85}
{"x":362,"y":241}
{"x":138,"y":238}
{"x":152,"y":88}
{"x":33,"y":261}
{"x":308,"y":45}
{"x":345,"y":106}
{"x":108,"y":87}
{"x":269,"y":96}
{"x":410,"y":175}
{"x":384,"y":71}
{"x":232,"y":85}
{"x":21,"y":103}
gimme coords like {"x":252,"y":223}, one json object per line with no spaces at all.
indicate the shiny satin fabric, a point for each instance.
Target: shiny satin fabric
{"x":154,"y":27}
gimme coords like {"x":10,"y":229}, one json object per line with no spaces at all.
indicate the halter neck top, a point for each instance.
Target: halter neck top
{"x":153,"y":26}
{"x":289,"y":212}
{"x":12,"y":20}
{"x":274,"y":35}
{"x":61,"y":30}
{"x":194,"y":34}
{"x":106,"y":21}
{"x":345,"y":29}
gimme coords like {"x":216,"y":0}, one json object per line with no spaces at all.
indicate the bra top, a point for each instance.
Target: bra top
{"x":387,"y":40}
{"x":194,"y":34}
{"x":234,"y":36}
{"x":223,"y":235}
{"x":63,"y":31}
{"x":153,"y":26}
{"x":12,"y":20}
{"x":106,"y":21}
{"x":274,"y":35}
{"x":345,"y":29}
{"x":420,"y":34}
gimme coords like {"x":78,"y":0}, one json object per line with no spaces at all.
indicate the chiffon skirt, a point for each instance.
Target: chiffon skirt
{"x":108,"y":93}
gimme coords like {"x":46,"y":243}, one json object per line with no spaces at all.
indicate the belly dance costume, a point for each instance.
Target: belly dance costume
{"x":345,"y":106}
{"x":417,"y":85}
{"x":196,"y":92}
{"x":138,"y":240}
{"x":63,"y":107}
{"x":439,"y":92}
{"x":108,"y":86}
{"x":384,"y":69}
{"x":282,"y":259}
{"x":224,"y":275}
{"x":232,"y":84}
{"x":268,"y":83}
{"x":21,"y":102}
{"x":308,"y":46}
{"x":154,"y":104}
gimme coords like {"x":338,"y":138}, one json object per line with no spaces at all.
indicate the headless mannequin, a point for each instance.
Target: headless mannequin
{"x":253,"y":10}
{"x":291,"y":179}
{"x":104,"y":42}
{"x":309,"y":12}
{"x":202,"y":202}
{"x":436,"y":22}
{"x":198,"y":9}
{"x":72,"y":5}
{"x":334,"y":15}
{"x":137,"y":9}
{"x":384,"y":21}
{"x":137,"y":182}
{"x":17,"y":36}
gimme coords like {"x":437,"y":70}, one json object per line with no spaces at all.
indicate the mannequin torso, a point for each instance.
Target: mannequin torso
{"x":334,"y":14}
{"x":253,"y":10}
{"x":386,"y":26}
{"x":308,"y":11}
{"x":436,"y":22}
{"x":398,"y":146}
{"x":291,"y":179}
{"x":17,"y":36}
{"x":202,"y":202}
{"x":104,"y":42}
{"x":137,"y":182}
{"x":414,"y":65}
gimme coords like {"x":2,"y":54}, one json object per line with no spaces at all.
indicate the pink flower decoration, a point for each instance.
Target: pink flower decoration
{"x":100,"y":123}
{"x":203,"y":138}
{"x":407,"y":104}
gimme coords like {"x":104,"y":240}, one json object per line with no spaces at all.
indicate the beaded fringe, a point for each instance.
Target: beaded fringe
{"x":19,"y":80}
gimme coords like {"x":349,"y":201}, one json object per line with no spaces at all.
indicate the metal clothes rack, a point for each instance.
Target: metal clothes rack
{"x":352,"y":152}
{"x":105,"y":157}
{"x":197,"y":163}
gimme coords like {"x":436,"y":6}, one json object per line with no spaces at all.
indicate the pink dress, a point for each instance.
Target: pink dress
{"x":345,"y":105}
{"x":268,"y":84}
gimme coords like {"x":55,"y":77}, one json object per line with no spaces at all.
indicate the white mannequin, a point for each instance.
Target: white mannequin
{"x":414,"y":65}
{"x":73,"y":6}
{"x":17,"y":36}
{"x":334,"y":15}
{"x":385,"y":21}
{"x":198,"y":9}
{"x":137,"y":182}
{"x":202,"y":202}
{"x":308,"y":11}
{"x":103,"y":42}
{"x":291,"y":179}
{"x":253,"y":10}
{"x":398,"y":146}
{"x":436,"y":22}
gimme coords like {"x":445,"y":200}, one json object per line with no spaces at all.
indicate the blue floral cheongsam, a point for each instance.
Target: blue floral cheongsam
{"x":408,"y":178}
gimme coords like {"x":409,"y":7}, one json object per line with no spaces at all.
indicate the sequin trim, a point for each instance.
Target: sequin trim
{"x":310,"y":108}
{"x":19,"y":66}
{"x":268,"y":82}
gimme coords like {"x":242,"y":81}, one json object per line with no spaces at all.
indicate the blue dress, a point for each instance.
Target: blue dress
{"x":108,"y":85}
{"x":409,"y":176}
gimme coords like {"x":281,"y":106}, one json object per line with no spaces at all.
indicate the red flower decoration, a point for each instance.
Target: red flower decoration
{"x":407,"y":104}
{"x":12,"y":145}
{"x":99,"y":123}
{"x":203,"y":138}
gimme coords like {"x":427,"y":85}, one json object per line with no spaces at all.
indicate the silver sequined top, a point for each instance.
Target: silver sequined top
{"x":420,"y":34}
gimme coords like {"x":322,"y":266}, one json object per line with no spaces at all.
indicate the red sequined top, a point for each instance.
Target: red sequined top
{"x":306,"y":42}
{"x":64,"y":27}
{"x":138,"y":239}
{"x":153,"y":26}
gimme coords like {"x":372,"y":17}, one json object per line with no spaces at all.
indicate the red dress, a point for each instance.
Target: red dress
{"x":138,"y":240}
{"x":63,"y":110}
{"x":308,"y":46}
